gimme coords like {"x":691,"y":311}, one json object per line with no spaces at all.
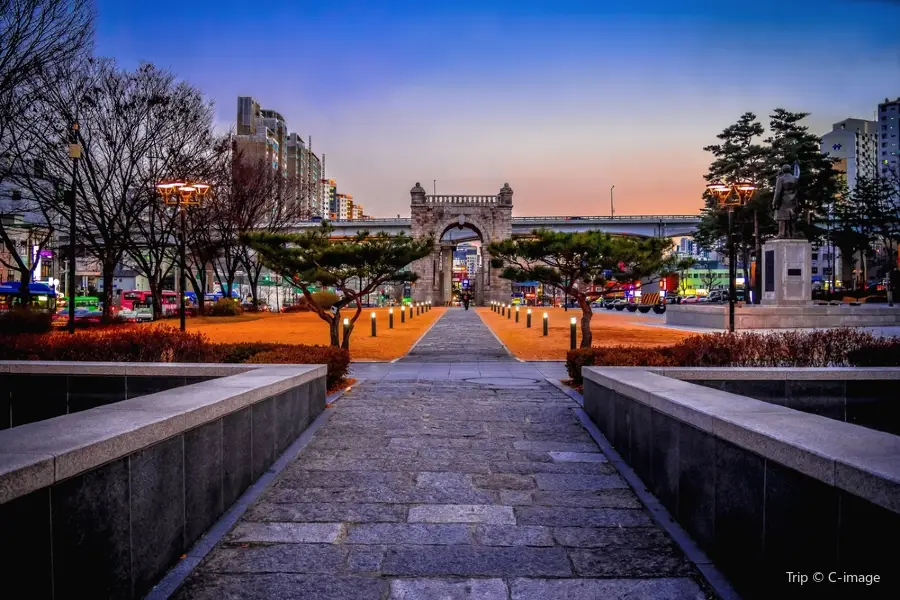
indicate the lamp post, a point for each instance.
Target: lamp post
{"x":182,"y":195}
{"x":729,"y":196}
{"x":572,"y":333}
{"x":74,"y":154}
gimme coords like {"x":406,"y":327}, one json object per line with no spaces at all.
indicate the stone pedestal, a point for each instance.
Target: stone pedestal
{"x":786,"y":273}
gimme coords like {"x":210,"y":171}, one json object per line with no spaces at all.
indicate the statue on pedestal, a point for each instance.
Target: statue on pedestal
{"x":784,"y":201}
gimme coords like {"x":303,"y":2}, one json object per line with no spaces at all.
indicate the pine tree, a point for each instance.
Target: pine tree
{"x":357,"y":266}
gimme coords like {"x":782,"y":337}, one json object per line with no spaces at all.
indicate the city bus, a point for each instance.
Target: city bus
{"x":134,"y":299}
{"x":43,"y":296}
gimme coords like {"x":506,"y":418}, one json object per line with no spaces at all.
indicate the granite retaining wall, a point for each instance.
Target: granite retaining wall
{"x":762,"y":488}
{"x":100,"y":503}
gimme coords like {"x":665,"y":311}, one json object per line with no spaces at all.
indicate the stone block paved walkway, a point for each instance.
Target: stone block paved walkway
{"x":470,"y":487}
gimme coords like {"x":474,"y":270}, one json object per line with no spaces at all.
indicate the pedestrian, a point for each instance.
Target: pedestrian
{"x":893,"y":285}
{"x":465,"y":300}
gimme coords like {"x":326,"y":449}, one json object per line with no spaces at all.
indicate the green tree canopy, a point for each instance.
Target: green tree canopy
{"x":582,"y":265}
{"x":742,"y":154}
{"x":356,"y":266}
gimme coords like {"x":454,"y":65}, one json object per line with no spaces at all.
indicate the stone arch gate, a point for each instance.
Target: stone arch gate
{"x":490,"y":217}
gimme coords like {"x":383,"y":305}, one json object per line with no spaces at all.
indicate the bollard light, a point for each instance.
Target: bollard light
{"x":572,"y":333}
{"x":390,"y":318}
{"x":402,"y":314}
{"x":528,"y":319}
{"x":502,"y":310}
{"x":374,"y":332}
{"x":509,"y":311}
{"x":546,"y":324}
{"x":410,"y":310}
{"x":517,"y":314}
{"x":346,"y":326}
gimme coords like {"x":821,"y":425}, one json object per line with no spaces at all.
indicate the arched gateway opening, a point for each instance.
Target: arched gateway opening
{"x":460,"y":224}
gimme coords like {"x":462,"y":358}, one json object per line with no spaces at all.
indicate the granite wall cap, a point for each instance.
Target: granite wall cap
{"x":635,"y":382}
{"x":700,"y":407}
{"x":112,"y":368}
{"x":67,"y":445}
{"x":878,"y":476}
{"x":66,"y":368}
{"x":778,"y":373}
{"x":862,"y":461}
{"x":87,"y":439}
{"x":21,"y":473}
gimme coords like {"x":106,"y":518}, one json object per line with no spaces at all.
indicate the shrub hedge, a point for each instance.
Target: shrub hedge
{"x":840,"y":347}
{"x":337,"y":359}
{"x":24,"y":320}
{"x":225,"y":307}
{"x":144,"y":344}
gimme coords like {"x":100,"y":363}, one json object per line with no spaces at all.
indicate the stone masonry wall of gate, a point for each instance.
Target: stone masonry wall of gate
{"x":489,"y":216}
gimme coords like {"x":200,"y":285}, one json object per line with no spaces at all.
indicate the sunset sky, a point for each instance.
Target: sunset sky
{"x":560,"y":98}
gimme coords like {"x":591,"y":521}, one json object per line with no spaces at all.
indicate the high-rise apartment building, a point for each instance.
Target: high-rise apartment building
{"x":343,"y":206}
{"x":889,"y":136}
{"x":853,"y":143}
{"x":275,"y":123}
{"x":258,"y":137}
{"x":314,"y":183}
{"x":329,"y":190}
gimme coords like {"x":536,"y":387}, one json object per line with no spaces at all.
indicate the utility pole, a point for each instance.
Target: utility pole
{"x":434,"y":187}
{"x":612,"y":210}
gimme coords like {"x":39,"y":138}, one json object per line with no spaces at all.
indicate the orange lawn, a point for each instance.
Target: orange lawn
{"x":609,"y":328}
{"x":308,"y":328}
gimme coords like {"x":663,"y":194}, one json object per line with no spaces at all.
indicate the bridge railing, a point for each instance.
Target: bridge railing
{"x":620,"y":218}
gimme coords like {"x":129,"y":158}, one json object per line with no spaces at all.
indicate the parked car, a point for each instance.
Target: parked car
{"x":690,"y":299}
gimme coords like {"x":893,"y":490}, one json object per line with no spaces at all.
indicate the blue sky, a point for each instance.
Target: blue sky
{"x":560,"y":98}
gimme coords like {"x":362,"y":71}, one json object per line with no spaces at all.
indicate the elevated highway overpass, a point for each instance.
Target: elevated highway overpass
{"x":633,"y":225}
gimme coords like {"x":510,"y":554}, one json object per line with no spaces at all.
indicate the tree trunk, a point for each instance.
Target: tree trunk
{"x":109,"y":268}
{"x":586,"y":315}
{"x":155,"y":297}
{"x":334,"y":329}
{"x":24,"y":289}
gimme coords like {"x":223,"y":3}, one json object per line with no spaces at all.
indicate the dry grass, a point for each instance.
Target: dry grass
{"x":609,"y":328}
{"x":308,"y":328}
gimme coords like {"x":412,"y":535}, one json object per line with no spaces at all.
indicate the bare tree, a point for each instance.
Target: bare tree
{"x":123,"y":115}
{"x":39,"y":39}
{"x":182,"y":151}
{"x":708,"y":277}
{"x":246,"y":196}
{"x":276,"y":196}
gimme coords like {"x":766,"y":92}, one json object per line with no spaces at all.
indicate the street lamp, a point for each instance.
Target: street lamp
{"x":181,"y":194}
{"x":74,"y":154}
{"x":729,"y":196}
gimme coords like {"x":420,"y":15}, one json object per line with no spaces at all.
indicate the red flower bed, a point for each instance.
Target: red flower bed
{"x":130,"y":344}
{"x":829,"y":348}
